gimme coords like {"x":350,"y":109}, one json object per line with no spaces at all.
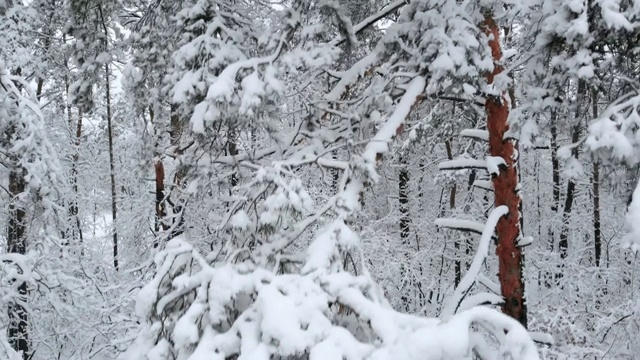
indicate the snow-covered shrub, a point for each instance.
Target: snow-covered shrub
{"x":198,"y":311}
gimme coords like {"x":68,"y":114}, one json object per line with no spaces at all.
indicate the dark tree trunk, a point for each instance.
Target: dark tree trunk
{"x":233,"y":151}
{"x":403,"y":201}
{"x":510,"y":257}
{"x":595,"y":180}
{"x":403,"y":205}
{"x":452,"y":205}
{"x":112,"y":171}
{"x":160,"y":207}
{"x":17,"y":243}
{"x":563,"y":244}
{"x":555,"y":174}
{"x":73,"y":208}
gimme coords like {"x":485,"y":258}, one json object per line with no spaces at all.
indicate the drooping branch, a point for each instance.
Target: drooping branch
{"x":476,"y":265}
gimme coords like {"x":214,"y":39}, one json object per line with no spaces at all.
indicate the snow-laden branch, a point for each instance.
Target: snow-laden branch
{"x":348,"y":199}
{"x":488,"y":283}
{"x":358,"y":69}
{"x":453,"y":303}
{"x":483,"y":184}
{"x":494,"y":163}
{"x":613,"y":134}
{"x":520,"y":344}
{"x":490,"y":163}
{"x":459,"y":224}
{"x":461,"y":164}
{"x":387,"y":10}
{"x":480,"y":299}
{"x":477,"y":134}
{"x":350,"y":76}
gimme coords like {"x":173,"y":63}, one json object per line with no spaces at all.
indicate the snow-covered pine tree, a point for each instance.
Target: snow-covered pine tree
{"x":34,"y":176}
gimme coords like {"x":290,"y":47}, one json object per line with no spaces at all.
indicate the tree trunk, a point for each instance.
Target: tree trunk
{"x":555,"y":174}
{"x":17,"y":329}
{"x":452,"y":205}
{"x":510,"y":257}
{"x":160,"y":208}
{"x":403,"y":205}
{"x":233,"y":151}
{"x":563,"y":244}
{"x":403,"y":201}
{"x":112,"y":171}
{"x":73,"y":208}
{"x":595,"y":180}
{"x":17,"y":243}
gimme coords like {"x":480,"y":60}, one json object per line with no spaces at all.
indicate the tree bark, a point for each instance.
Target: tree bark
{"x":510,"y":257}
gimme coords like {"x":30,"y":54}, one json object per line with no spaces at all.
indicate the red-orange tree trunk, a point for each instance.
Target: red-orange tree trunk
{"x":510,"y":258}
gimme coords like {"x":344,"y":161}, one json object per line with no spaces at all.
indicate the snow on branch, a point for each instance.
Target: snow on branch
{"x":483,"y":184}
{"x":350,"y":76}
{"x":459,"y":224}
{"x":490,"y":163}
{"x":488,"y":283}
{"x":494,"y":163}
{"x":477,"y":134}
{"x":480,"y":299}
{"x":459,"y":164}
{"x":364,"y":166}
{"x":388,"y":9}
{"x":452,"y":305}
{"x":613,"y":136}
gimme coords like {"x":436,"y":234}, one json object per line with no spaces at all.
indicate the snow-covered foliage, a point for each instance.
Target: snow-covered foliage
{"x":196,"y":310}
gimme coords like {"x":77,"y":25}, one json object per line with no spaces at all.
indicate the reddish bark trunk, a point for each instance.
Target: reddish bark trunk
{"x":510,"y":257}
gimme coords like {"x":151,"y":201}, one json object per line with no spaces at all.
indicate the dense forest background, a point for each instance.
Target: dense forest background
{"x":323,"y":179}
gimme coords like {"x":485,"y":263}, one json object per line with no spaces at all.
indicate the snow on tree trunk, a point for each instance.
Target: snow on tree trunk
{"x":510,"y":257}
